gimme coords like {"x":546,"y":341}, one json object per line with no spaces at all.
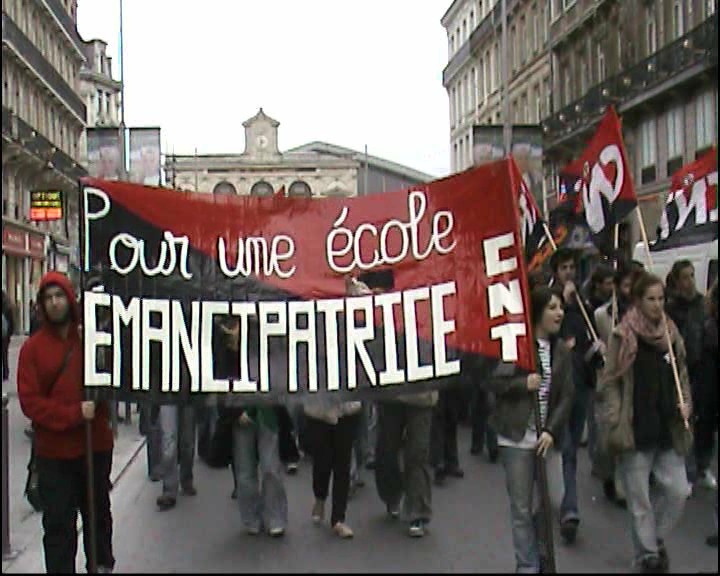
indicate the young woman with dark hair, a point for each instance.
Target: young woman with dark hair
{"x":522,"y":445}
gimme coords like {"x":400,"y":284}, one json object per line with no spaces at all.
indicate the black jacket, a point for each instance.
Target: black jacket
{"x":689,"y":316}
{"x":513,"y":402}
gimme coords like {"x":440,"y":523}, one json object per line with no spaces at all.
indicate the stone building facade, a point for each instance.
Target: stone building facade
{"x":43,"y":119}
{"x":314,"y":170}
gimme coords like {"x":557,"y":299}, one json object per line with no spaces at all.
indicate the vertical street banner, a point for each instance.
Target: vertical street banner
{"x":601,"y":179}
{"x":145,"y":156}
{"x":104,"y":153}
{"x":691,"y":211}
{"x":170,"y":271}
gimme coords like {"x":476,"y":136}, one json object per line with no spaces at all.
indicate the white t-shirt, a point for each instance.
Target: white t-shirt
{"x":530,"y":439}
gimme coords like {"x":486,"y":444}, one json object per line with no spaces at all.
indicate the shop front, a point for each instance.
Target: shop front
{"x":23,"y":255}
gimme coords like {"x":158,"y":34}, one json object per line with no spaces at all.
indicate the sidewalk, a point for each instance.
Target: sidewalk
{"x":25,"y":523}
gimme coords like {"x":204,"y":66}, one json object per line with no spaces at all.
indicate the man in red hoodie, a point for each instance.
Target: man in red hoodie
{"x":50,"y":390}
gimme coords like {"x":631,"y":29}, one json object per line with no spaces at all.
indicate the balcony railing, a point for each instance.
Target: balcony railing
{"x":21,"y":133}
{"x":697,"y":47}
{"x":14,"y":38}
{"x":58,"y":10}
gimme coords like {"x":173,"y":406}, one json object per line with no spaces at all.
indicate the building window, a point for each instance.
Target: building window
{"x":602,"y":69}
{"x":481,"y":81}
{"x":546,"y":22}
{"x":525,"y":119}
{"x":708,"y":8}
{"x":555,"y":9}
{"x":465,"y":31}
{"x":648,"y":151}
{"x":261,"y":188}
{"x":454,"y":157}
{"x":496,"y":67}
{"x":705,"y":119}
{"x":300,"y":189}
{"x":453,"y":107}
{"x":474,"y":90}
{"x":583,"y":74}
{"x":461,"y":155}
{"x":535,"y":30}
{"x":224,"y":188}
{"x":678,"y":20}
{"x":472,"y":20}
{"x":548,"y":97}
{"x":675,"y":140}
{"x":515,"y":49}
{"x":451,"y":46}
{"x":651,"y":35}
{"x":567,"y":89}
{"x":468,"y":150}
{"x":538,"y":104}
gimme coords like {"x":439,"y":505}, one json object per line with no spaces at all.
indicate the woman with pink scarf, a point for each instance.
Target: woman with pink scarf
{"x":645,"y":419}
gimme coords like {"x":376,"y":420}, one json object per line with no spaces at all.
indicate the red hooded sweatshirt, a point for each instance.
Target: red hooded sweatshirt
{"x":52,"y":400}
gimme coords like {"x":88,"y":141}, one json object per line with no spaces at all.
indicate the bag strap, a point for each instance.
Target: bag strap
{"x":63,"y":366}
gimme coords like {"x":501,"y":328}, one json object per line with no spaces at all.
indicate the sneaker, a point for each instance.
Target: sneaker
{"x":166,"y":502}
{"x":707,"y":481}
{"x":455,"y":472}
{"x":568,"y":530}
{"x":276,"y":532}
{"x":252,"y":531}
{"x":393,"y":511}
{"x":417,"y":529}
{"x":318,"y":511}
{"x":651,"y":565}
{"x":343,"y":530}
{"x":189,"y":490}
{"x":103,"y":570}
{"x":292,"y":468}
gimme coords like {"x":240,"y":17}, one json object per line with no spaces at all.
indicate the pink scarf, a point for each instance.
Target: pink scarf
{"x":636,"y":325}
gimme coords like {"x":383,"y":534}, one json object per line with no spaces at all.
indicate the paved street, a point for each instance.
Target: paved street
{"x":470,"y":530}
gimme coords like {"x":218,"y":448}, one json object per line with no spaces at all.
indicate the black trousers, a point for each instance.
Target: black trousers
{"x":705,"y":403}
{"x":332,"y":454}
{"x":288,"y":447}
{"x":63,"y":489}
{"x":482,"y":432}
{"x":443,"y":438}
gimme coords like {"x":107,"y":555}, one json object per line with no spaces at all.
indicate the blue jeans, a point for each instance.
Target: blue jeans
{"x":653,"y":515}
{"x":527,"y":528}
{"x":571,"y":444}
{"x":177,"y":428}
{"x":263,"y":502}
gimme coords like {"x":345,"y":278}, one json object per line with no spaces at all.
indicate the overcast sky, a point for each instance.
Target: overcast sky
{"x":347,"y":72}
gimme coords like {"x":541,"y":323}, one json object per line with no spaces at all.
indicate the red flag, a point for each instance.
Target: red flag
{"x":603,"y":180}
{"x":280,"y":191}
{"x":693,"y":192}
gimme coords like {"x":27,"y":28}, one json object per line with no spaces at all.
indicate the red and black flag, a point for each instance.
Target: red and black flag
{"x":691,"y":211}
{"x":182,"y":271}
{"x":532,"y":225}
{"x":600,"y":182}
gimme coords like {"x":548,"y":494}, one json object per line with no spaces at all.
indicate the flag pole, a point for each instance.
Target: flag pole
{"x":547,"y":540}
{"x":671,"y":351}
{"x":583,"y":311}
{"x":616,"y":244}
